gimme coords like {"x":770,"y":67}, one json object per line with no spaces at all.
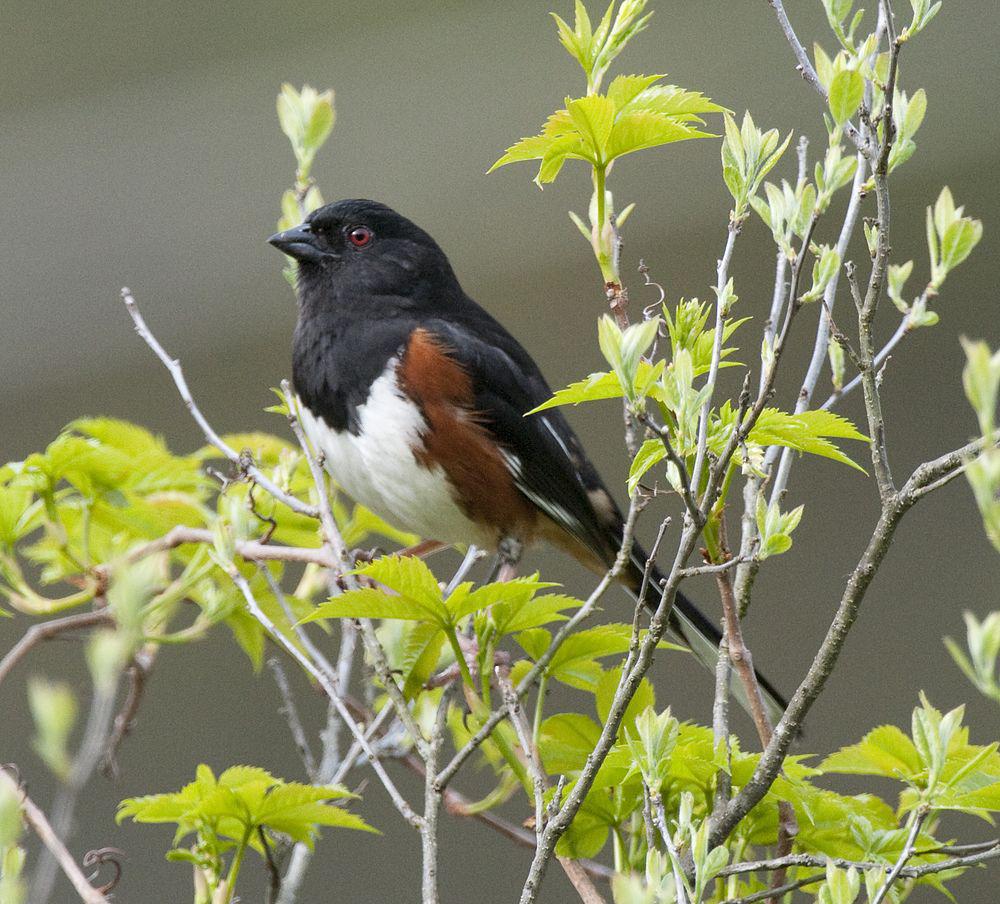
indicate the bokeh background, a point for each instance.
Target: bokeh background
{"x":139,"y":146}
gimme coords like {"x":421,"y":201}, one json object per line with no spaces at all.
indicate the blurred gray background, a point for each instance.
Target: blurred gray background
{"x":139,"y":146}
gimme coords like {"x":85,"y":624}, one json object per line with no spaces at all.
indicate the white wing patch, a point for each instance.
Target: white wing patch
{"x":555,"y":511}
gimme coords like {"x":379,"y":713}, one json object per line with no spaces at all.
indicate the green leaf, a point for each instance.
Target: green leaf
{"x":367,"y":602}
{"x":959,"y":239}
{"x":53,"y":708}
{"x":243,"y":800}
{"x":885,"y":751}
{"x":407,"y":575}
{"x":650,"y":454}
{"x":511,"y":618}
{"x":576,"y":661}
{"x":847,"y":90}
{"x":594,"y":118}
{"x":638,"y":131}
{"x":600,"y":386}
{"x":981,"y":381}
{"x":514,"y":593}
{"x":421,"y":654}
{"x":604,"y":695}
{"x":651,"y":743}
{"x":565,"y":742}
{"x":983,"y":641}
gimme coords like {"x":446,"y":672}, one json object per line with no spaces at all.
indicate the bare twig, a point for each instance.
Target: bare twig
{"x":740,"y":656}
{"x":916,"y":824}
{"x":39,"y":824}
{"x":631,"y":678}
{"x":902,"y":331}
{"x":174,"y":367}
{"x":432,"y":805}
{"x":331,"y":533}
{"x":907,"y":872}
{"x":681,"y":890}
{"x":722,"y":280}
{"x":781,"y":890}
{"x":291,"y":713}
{"x":138,"y":672}
{"x":691,"y":506}
{"x":328,"y":681}
{"x":381,"y":666}
{"x":43,"y":631}
{"x":580,"y":880}
{"x":777,"y":305}
{"x":250,"y":550}
{"x":714,"y":570}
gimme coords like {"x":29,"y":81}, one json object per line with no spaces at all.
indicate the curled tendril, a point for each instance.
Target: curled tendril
{"x":98,"y":858}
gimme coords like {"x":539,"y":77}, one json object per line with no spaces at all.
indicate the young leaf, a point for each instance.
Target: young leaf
{"x":53,"y":708}
{"x":847,"y":89}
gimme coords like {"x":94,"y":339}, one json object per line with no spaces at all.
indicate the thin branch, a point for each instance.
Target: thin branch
{"x":39,"y":824}
{"x":933,"y":474}
{"x":43,"y":631}
{"x":919,"y":817}
{"x":742,"y":660}
{"x":777,"y":305}
{"x":561,"y":819}
{"x":174,"y":367}
{"x":714,"y":570}
{"x":663,"y":433}
{"x":876,"y":284}
{"x":579,"y":878}
{"x":782,"y":890}
{"x":721,"y":281}
{"x":907,"y":872}
{"x":902,"y":331}
{"x":251,"y":550}
{"x":291,"y":713}
{"x":531,"y":757}
{"x":331,"y":533}
{"x":720,"y":723}
{"x":380,"y":664}
{"x":138,"y":672}
{"x":328,"y":681}
{"x":576,"y":874}
{"x":681,"y":890}
{"x":432,"y":806}
{"x":812,"y":685}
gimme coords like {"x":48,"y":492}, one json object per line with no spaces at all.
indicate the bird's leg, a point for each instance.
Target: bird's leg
{"x":509,"y":553}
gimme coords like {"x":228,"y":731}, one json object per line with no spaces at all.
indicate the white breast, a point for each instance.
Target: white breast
{"x":377,"y":466}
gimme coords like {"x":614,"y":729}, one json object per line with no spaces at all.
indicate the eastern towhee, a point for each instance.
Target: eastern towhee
{"x":416,"y":397}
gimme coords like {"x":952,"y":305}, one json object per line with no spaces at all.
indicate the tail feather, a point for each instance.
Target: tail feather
{"x":689,"y":625}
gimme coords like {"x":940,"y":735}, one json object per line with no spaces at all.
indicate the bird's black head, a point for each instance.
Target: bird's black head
{"x":357,"y":247}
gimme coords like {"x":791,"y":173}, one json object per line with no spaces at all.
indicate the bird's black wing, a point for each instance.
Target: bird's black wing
{"x":544,"y":454}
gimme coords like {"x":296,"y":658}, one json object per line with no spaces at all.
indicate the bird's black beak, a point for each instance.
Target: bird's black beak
{"x":299,"y":243}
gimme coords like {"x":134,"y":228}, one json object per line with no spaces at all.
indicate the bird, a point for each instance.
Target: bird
{"x":417,"y":399}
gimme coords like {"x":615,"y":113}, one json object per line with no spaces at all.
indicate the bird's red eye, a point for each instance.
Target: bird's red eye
{"x":360,"y":236}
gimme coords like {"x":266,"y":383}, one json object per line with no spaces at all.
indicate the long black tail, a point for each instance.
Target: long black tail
{"x":689,"y":625}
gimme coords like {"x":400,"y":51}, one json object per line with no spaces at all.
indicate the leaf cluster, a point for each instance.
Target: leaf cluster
{"x":244,"y":807}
